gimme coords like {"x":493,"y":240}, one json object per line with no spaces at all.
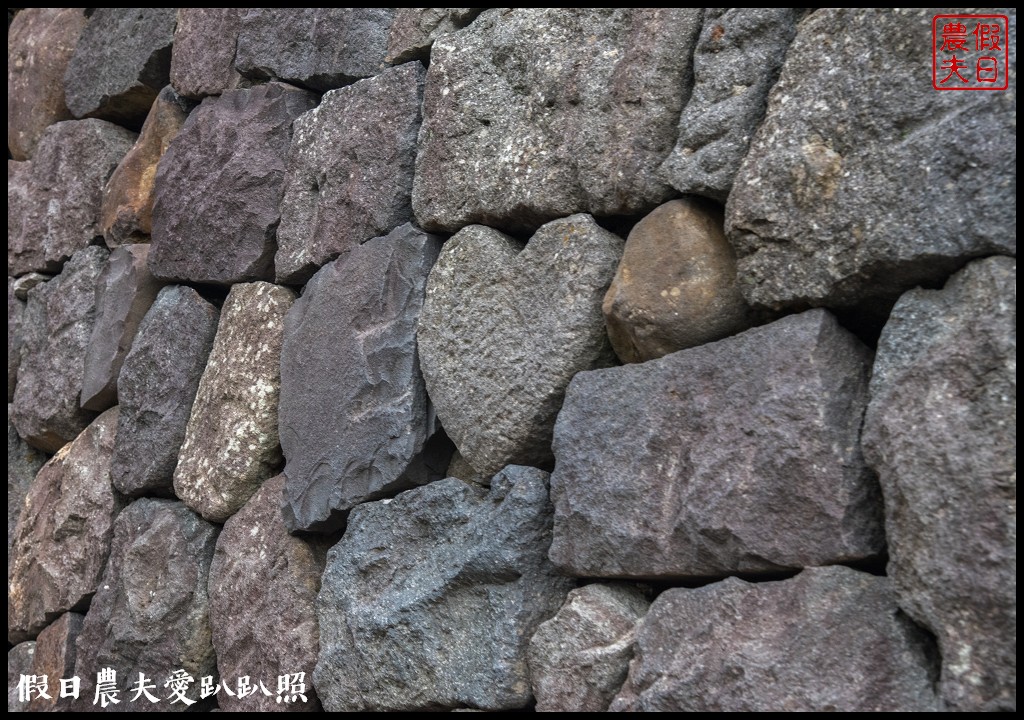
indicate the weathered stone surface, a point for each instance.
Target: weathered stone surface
{"x":850,"y":189}
{"x":156,"y":388}
{"x":125,"y":291}
{"x":430,"y":599}
{"x":151,"y":613}
{"x":55,"y":658}
{"x":122,"y":59}
{"x":736,"y":456}
{"x":538,"y":113}
{"x":19,"y":662}
{"x":23,"y":250}
{"x":15,"y":314}
{"x":354,"y":417}
{"x":505,"y":327}
{"x":459,"y":468}
{"x":57,"y":326}
{"x":414,"y":30}
{"x":23,"y":462}
{"x":941,"y":432}
{"x":231,"y":444}
{"x":126,"y":212}
{"x":580,"y":657}
{"x":39,"y":45}
{"x":26,"y":282}
{"x":263,"y":587}
{"x":203,"y":60}
{"x":676,"y":285}
{"x":735,"y":63}
{"x":60,"y":197}
{"x":829,"y":639}
{"x":64,"y":532}
{"x":338,"y":45}
{"x":350,"y":170}
{"x":219,"y":187}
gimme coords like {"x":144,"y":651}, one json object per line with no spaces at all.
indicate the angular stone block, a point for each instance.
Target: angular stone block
{"x":23,"y":462}
{"x":19,"y":662}
{"x":203,"y":59}
{"x":55,"y":658}
{"x":414,"y":30}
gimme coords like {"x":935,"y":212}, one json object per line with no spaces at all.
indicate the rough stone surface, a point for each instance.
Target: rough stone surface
{"x":151,"y":613}
{"x":941,"y":432}
{"x":504,"y":329}
{"x":430,"y":599}
{"x":64,"y":532}
{"x":23,"y":250}
{"x":19,"y":662}
{"x":580,"y":657}
{"x":461,"y":469}
{"x":263,"y":587}
{"x":122,"y":59}
{"x":829,"y":639}
{"x":55,"y":658}
{"x":124,"y":293}
{"x":737,"y":456}
{"x":203,"y":60}
{"x":231,"y":444}
{"x":39,"y":45}
{"x":126,"y":213}
{"x":865,"y":187}
{"x":735,"y":63}
{"x":535,"y":114}
{"x":156,"y":388}
{"x":23,"y":462}
{"x":350,"y":170}
{"x":60,"y":200}
{"x":676,"y":285}
{"x":57,"y":326}
{"x":219,"y":187}
{"x":355,"y":421}
{"x":339,"y":44}
{"x":15,"y":315}
{"x":414,"y":30}
{"x":26,"y":282}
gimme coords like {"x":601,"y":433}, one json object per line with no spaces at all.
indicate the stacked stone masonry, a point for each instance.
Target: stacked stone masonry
{"x":376,"y":359}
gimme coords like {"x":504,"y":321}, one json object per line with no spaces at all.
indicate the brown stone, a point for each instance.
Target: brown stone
{"x":55,"y":659}
{"x":19,"y":662}
{"x":126,"y":212}
{"x":203,"y":58}
{"x":676,"y":285}
{"x":15,"y":314}
{"x":64,"y":532}
{"x":40,"y":43}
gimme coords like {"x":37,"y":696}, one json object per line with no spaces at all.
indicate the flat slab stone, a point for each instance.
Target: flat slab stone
{"x":940,"y":431}
{"x":355,"y":421}
{"x":740,"y":456}
{"x":430,"y":599}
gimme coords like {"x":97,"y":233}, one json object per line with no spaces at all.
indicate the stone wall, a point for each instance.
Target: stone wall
{"x":429,"y":359}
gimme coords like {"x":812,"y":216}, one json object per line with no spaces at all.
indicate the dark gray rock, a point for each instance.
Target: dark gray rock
{"x":60,"y":200}
{"x":350,"y":170}
{"x":24,"y":251}
{"x":414,"y":30}
{"x":231,"y":444}
{"x":23,"y":463}
{"x":676,"y":285}
{"x":26,"y":282}
{"x":355,"y":421}
{"x":263,"y":587}
{"x":15,"y":315}
{"x":124,"y":293}
{"x":57,"y":326}
{"x":219,"y":187}
{"x":122,"y":59}
{"x":19,"y":662}
{"x":830,"y":639}
{"x":941,"y":432}
{"x":126,"y":213}
{"x":735,"y":63}
{"x":203,"y":59}
{"x":39,"y":46}
{"x":504,"y":329}
{"x":430,"y":599}
{"x":157,"y":386}
{"x":55,"y":658}
{"x":151,"y":613}
{"x":866,"y":182}
{"x":538,"y":113}
{"x":736,"y":456}
{"x":459,"y":468}
{"x":338,"y":45}
{"x":64,"y":532}
{"x":580,"y":657}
